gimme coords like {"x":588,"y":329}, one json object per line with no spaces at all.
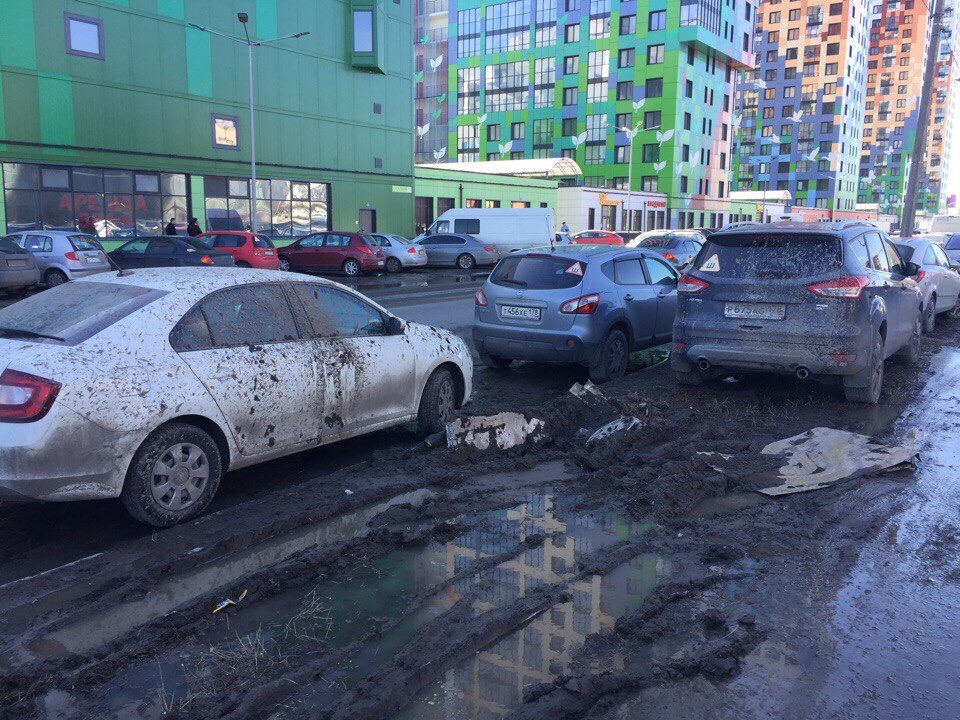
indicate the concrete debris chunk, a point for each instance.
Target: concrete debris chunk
{"x":586,"y":392}
{"x":621,"y":424}
{"x":500,"y":432}
{"x":823,"y":456}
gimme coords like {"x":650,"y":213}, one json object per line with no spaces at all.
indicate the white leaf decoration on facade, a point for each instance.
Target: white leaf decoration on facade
{"x":663,"y":137}
{"x":438,"y":154}
{"x":505,"y":147}
{"x":678,"y":167}
{"x":796,"y":117}
{"x":423,"y":130}
{"x":813,"y":155}
{"x":637,"y":104}
{"x":579,"y":139}
{"x":657,"y":167}
{"x":482,"y":119}
{"x":436,"y":62}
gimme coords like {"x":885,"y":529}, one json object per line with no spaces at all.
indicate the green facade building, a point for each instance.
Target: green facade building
{"x":116,"y":115}
{"x":560,"y":78}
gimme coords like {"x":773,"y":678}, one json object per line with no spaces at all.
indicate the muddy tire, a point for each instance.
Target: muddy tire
{"x":243,"y":264}
{"x":438,"y":403}
{"x":351,"y":268}
{"x":870,"y":394}
{"x":930,"y":316}
{"x":466,"y":262}
{"x":613,"y":360}
{"x":394,"y":265}
{"x":285,"y":264}
{"x":54,"y":278}
{"x":910,"y":353}
{"x":494,"y":362}
{"x":693,"y":377}
{"x":173,"y":476}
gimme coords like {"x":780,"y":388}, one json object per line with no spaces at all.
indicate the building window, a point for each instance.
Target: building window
{"x":363,"y":31}
{"x":625,"y":90}
{"x":651,"y":120}
{"x":654,"y":88}
{"x":595,"y":154}
{"x":571,"y":65}
{"x":655,"y":55}
{"x":224,"y":131}
{"x":621,"y":154}
{"x":84,"y":36}
{"x":649,"y":183}
{"x":516,"y":131}
{"x":107,"y":203}
{"x":651,"y":153}
{"x":285,"y":208}
{"x":493,"y":133}
{"x":657,"y":20}
{"x":570,"y":96}
{"x":625,"y":58}
{"x":571,"y":33}
{"x":628,"y":24}
{"x":569,"y":126}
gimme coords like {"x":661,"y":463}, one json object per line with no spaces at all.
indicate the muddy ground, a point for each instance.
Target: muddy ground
{"x":565,"y":579}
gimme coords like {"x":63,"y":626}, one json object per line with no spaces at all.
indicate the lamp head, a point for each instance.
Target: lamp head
{"x":242,"y":17}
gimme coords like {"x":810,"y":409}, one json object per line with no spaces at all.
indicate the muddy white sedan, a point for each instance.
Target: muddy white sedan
{"x":152,"y":384}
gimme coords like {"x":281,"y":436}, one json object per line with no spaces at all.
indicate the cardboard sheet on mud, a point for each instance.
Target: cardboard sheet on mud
{"x":816,"y":459}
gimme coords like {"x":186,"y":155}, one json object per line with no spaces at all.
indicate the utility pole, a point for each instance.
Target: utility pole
{"x":631,"y":133}
{"x":907,"y":221}
{"x":251,"y":44}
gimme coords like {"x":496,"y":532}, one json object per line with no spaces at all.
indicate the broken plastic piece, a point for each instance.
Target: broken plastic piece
{"x":348,"y":491}
{"x":621,"y":424}
{"x":228,"y":602}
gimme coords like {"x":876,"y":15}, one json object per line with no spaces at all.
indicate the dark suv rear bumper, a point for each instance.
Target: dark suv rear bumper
{"x":761,"y":356}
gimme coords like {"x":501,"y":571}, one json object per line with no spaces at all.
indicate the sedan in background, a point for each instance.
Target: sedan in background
{"x":460,"y":251}
{"x":597,"y":237}
{"x":951,"y":244}
{"x":62,"y":255}
{"x":350,"y":253}
{"x":399,"y":252}
{"x":585,"y":304}
{"x":678,"y":250}
{"x":168,"y":251}
{"x":201,"y":371}
{"x":939,"y":282}
{"x":18,"y":269}
{"x":249,"y":250}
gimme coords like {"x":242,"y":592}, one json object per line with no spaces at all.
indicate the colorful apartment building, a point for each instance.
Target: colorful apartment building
{"x":800,"y":112}
{"x":563,"y":78}
{"x":899,"y":44}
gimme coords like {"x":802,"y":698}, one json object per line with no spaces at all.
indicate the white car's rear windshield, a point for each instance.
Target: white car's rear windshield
{"x":72,"y":312}
{"x":81,"y":242}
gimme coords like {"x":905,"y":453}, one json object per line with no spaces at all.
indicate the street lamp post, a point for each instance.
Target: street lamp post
{"x":245,"y":40}
{"x":631,"y":135}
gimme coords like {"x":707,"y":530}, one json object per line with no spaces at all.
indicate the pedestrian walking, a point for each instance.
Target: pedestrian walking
{"x":193,"y":227}
{"x":171,"y":228}
{"x":565,"y":228}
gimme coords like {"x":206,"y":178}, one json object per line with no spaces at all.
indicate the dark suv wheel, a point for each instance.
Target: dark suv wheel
{"x":871,"y":393}
{"x":614,"y":358}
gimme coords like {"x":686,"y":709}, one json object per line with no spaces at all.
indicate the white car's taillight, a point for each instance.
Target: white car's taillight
{"x":25,"y":398}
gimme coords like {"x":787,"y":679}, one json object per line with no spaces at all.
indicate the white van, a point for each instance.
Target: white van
{"x":945,"y":224}
{"x":509,"y":229}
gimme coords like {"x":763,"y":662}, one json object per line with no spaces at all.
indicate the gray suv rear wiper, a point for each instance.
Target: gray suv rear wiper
{"x":518,"y":283}
{"x":19,"y":332}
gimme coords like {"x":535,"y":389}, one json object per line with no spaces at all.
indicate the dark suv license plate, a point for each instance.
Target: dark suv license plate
{"x":754,"y":311}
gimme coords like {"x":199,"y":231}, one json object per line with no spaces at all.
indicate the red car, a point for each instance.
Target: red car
{"x":248,"y":250}
{"x":350,"y":252}
{"x":597,"y":237}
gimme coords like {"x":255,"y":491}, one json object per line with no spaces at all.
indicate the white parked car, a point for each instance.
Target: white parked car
{"x":151,"y":385}
{"x":399,"y":252}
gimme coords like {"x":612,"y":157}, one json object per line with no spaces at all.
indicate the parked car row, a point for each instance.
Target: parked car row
{"x":830,"y":301}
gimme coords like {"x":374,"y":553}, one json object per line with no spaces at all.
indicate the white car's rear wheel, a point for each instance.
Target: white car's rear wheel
{"x":173,"y":476}
{"x":394,"y":265}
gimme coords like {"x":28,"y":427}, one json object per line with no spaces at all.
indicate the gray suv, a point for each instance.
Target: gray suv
{"x":586,"y":304}
{"x":826,"y":299}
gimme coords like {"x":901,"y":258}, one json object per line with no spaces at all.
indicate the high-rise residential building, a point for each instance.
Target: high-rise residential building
{"x":944,"y":115}
{"x":430,"y":84}
{"x":560,"y":78}
{"x":800,"y":111}
{"x":899,"y":39}
{"x":117,"y":116}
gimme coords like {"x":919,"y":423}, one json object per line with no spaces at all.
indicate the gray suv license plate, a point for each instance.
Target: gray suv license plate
{"x":519,"y":313}
{"x":754,"y":311}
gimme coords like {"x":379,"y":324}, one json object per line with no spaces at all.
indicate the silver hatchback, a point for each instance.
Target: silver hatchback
{"x":586,"y":304}
{"x":459,"y":251}
{"x":62,"y":256}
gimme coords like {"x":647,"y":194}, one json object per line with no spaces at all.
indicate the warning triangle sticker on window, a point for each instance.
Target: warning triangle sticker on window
{"x":711,"y":265}
{"x":575,"y":269}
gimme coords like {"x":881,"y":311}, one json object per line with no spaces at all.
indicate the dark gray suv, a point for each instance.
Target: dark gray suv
{"x":825,"y":299}
{"x":587,"y":304}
